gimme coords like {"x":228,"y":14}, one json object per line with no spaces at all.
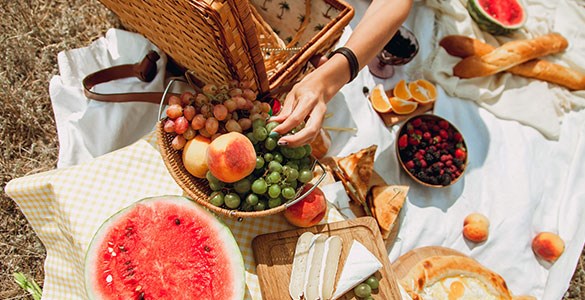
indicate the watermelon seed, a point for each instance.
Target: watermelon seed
{"x":127,"y":262}
{"x":109,"y":278}
{"x":122,"y":248}
{"x":207,"y":249}
{"x":141,"y":296}
{"x":177,"y":221}
{"x":138,"y":288}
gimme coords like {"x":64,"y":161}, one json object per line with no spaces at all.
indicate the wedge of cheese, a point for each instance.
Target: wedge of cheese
{"x":359,"y":265}
{"x":297,"y":278}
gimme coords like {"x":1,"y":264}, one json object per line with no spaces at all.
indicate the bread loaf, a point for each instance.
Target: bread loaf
{"x":462,"y":46}
{"x":509,"y":55}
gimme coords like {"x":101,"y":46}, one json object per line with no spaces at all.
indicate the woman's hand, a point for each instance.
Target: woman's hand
{"x":309,"y":98}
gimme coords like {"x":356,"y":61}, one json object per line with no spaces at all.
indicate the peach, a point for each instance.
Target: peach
{"x":309,"y":211}
{"x":548,"y":246}
{"x":194,"y":156}
{"x":476,"y":227}
{"x":231,"y":157}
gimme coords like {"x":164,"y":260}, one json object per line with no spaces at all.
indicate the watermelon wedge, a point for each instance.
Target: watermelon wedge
{"x":164,"y":248}
{"x":498,"y":17}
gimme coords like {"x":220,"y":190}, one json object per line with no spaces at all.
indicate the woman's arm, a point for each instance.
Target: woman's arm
{"x":309,"y":97}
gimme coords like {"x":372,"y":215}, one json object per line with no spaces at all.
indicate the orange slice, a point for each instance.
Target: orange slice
{"x":401,"y":90}
{"x":380,"y":100}
{"x":401,"y":106}
{"x":422,"y":91}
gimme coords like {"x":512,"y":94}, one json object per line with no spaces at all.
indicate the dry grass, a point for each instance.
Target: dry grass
{"x":31,"y":35}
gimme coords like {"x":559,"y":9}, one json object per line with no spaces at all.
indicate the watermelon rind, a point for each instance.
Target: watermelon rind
{"x":489,"y":24}
{"x":224,"y":233}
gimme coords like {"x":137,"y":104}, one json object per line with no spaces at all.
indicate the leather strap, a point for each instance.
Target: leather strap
{"x":145,"y":70}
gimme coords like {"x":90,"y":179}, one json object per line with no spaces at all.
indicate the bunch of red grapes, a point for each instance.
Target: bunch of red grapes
{"x":213,"y":111}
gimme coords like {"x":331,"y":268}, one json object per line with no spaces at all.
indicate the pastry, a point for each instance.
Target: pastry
{"x":357,"y":169}
{"x":453,"y":277}
{"x":385,"y":203}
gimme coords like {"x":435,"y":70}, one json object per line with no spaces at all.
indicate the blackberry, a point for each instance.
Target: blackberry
{"x":433,"y":180}
{"x":435,"y":169}
{"x":457,"y":162}
{"x":445,"y":179}
{"x":429,"y":158}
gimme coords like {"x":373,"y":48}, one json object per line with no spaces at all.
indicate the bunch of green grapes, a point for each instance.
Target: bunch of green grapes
{"x":280,"y":172}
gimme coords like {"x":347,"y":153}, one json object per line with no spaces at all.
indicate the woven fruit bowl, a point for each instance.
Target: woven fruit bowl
{"x":278,"y":173}
{"x":431,"y":151}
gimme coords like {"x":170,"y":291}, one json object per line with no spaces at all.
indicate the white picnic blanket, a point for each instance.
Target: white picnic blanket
{"x":522,"y":181}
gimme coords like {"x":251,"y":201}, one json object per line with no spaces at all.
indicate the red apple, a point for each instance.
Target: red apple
{"x":309,"y":211}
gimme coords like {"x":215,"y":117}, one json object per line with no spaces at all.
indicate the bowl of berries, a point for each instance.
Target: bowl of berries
{"x":431,"y":150}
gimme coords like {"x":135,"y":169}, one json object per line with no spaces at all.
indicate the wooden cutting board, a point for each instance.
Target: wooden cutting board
{"x":404,"y":263}
{"x":274,"y":253}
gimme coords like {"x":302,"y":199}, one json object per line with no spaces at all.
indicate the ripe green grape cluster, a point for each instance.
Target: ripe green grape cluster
{"x":217,"y":109}
{"x":280,"y":172}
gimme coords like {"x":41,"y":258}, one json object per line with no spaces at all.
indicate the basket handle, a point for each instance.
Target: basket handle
{"x":144,"y":70}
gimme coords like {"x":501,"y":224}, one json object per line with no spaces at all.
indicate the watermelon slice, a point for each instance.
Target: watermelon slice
{"x":498,"y":17}
{"x":164,"y":248}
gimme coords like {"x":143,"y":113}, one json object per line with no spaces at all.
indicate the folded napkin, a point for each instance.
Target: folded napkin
{"x":531,"y":102}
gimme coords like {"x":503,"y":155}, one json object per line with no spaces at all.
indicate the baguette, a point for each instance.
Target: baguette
{"x":462,"y":46}
{"x":509,"y":55}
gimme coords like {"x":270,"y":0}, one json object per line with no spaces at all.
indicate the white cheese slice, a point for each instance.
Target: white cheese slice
{"x":329,"y":266}
{"x":297,"y":277}
{"x":359,"y":265}
{"x":313,"y":269}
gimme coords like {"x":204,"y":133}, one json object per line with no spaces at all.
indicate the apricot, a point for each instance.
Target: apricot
{"x":309,"y":211}
{"x":476,"y":227}
{"x":231,"y":157}
{"x":548,"y":246}
{"x":194,"y":156}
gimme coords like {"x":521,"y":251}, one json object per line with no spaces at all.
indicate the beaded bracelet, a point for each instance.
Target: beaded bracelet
{"x":354,"y":66}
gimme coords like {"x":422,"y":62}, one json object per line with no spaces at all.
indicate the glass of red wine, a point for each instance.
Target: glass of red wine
{"x":400,"y":50}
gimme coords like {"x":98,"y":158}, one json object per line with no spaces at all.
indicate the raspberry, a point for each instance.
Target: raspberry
{"x":423,"y":163}
{"x":413,"y":141}
{"x":443,"y":124}
{"x":443,"y":133}
{"x":409,"y":164}
{"x":426,"y":136}
{"x":448,"y":163}
{"x":444,"y":158}
{"x":436,"y":140}
{"x":416,"y":122}
{"x":457,"y":137}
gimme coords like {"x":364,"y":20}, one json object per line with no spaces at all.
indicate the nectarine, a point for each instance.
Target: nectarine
{"x":231,"y":157}
{"x":476,"y":227}
{"x":309,"y":211}
{"x":194,"y":156}
{"x":548,"y":246}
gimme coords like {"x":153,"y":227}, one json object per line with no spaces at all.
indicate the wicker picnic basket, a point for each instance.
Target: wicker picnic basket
{"x":269,"y":42}
{"x":266,"y":42}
